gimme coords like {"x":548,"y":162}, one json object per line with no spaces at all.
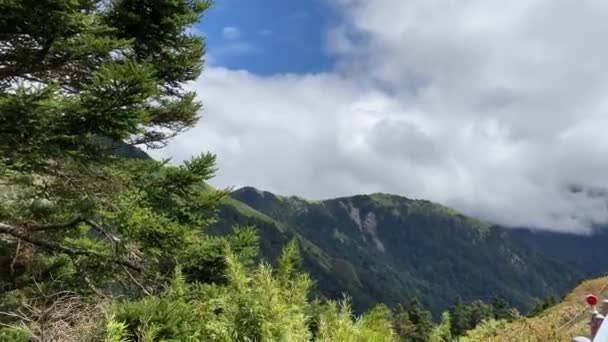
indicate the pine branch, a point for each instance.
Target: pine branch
{"x":134,"y":280}
{"x":73,"y":251}
{"x":53,"y":226}
{"x":113,"y":239}
{"x":62,"y":225}
{"x":92,"y":286}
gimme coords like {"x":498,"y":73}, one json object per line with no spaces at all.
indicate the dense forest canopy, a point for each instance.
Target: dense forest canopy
{"x":388,"y":248}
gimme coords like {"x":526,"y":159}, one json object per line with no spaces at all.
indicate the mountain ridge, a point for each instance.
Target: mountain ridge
{"x":387,"y":248}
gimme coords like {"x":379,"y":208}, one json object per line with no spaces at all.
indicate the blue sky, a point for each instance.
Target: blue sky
{"x":268,"y":37}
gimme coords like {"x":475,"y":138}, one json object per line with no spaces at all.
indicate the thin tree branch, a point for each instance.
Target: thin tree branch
{"x":136,"y":282}
{"x":14,"y":315}
{"x":62,"y":225}
{"x":92,"y":286}
{"x":14,"y":262}
{"x":113,"y":239}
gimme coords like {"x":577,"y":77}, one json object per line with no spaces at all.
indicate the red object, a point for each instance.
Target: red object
{"x":591,"y":300}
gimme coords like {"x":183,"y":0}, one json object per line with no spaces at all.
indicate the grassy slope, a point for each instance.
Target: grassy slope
{"x":558,"y":323}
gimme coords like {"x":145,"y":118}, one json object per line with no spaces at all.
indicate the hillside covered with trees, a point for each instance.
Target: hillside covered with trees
{"x":389,"y":249}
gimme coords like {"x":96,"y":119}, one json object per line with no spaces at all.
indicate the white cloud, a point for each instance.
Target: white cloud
{"x":231,"y":33}
{"x":493,"y":107}
{"x":231,"y":49}
{"x":233,"y":46}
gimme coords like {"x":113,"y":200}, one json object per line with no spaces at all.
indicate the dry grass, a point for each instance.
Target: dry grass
{"x":62,"y":317}
{"x":560,"y":323}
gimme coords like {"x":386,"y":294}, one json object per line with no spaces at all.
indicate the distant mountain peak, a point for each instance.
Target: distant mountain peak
{"x":251,"y":189}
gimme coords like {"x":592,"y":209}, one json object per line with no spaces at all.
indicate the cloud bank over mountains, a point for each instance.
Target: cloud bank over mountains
{"x":496,"y":108}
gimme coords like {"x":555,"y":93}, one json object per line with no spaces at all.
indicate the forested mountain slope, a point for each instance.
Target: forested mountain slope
{"x":385,"y":248}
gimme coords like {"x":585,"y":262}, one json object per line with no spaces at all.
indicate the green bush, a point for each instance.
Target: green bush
{"x":14,"y":334}
{"x":262,"y":305}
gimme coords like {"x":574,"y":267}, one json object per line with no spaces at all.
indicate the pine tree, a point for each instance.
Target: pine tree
{"x":478,"y":311}
{"x":422,"y":319}
{"x":502,"y":310}
{"x":413,"y":322}
{"x":542,"y":305}
{"x":442,"y":332}
{"x":460,"y":317}
{"x":402,"y":324}
{"x":79,"y":78}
